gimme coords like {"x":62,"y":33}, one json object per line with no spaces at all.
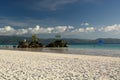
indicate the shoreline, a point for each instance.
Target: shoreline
{"x":80,"y":51}
{"x":55,"y":53}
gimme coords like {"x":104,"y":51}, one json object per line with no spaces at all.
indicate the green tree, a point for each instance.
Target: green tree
{"x":34,"y":37}
{"x":35,"y":43}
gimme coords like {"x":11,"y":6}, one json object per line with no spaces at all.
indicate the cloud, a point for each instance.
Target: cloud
{"x":64,"y":30}
{"x":21,"y":32}
{"x":38,"y":30}
{"x":85,"y":24}
{"x":8,"y":30}
{"x":60,"y":29}
{"x":81,"y":30}
{"x":115,"y":27}
{"x":90,"y":29}
{"x":84,"y":30}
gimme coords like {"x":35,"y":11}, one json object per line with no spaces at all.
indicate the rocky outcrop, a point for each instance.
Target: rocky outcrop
{"x":23,"y":44}
{"x":33,"y":44}
{"x":58,"y":43}
{"x":36,"y":43}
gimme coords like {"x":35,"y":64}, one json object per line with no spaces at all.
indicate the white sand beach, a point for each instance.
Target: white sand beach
{"x":24,"y":65}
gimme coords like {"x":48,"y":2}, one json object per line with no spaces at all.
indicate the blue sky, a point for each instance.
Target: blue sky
{"x":88,"y":19}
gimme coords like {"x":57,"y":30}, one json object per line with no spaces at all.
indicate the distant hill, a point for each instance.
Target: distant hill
{"x":15,"y":39}
{"x":11,"y":39}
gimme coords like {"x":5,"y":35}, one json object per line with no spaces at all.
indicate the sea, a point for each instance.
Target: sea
{"x":96,"y":46}
{"x":112,"y":50}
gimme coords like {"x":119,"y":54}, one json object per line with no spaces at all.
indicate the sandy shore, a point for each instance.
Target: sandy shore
{"x":23,"y":65}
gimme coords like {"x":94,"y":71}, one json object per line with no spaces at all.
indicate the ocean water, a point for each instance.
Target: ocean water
{"x":112,"y":50}
{"x":77,"y":46}
{"x":96,"y":46}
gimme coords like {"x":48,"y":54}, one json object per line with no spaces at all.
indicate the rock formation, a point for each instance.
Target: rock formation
{"x":58,"y":43}
{"x":36,"y":43}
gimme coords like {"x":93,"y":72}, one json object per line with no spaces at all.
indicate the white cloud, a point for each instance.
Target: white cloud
{"x":60,"y":29}
{"x":87,"y":29}
{"x":90,"y":29}
{"x":69,"y":28}
{"x":81,"y":30}
{"x":115,"y":27}
{"x":21,"y":31}
{"x":8,"y":30}
{"x":38,"y":30}
{"x":85,"y":24}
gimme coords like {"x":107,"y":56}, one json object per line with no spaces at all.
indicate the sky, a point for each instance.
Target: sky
{"x":84,"y":19}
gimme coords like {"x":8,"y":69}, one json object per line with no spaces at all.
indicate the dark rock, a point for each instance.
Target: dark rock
{"x":23,"y":44}
{"x":58,"y":43}
{"x":36,"y":43}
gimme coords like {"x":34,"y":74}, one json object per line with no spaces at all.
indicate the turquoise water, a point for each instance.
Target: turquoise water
{"x":83,"y":46}
{"x":6,"y":46}
{"x":112,"y":50}
{"x":96,"y":46}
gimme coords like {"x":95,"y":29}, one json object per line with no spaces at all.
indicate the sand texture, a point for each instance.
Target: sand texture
{"x":21,"y":65}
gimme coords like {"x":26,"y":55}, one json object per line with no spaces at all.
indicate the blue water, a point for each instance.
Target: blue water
{"x":83,"y":46}
{"x":96,"y":46}
{"x":112,"y":50}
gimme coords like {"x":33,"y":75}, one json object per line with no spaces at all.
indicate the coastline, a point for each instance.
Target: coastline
{"x":48,"y":65}
{"x":76,"y":51}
